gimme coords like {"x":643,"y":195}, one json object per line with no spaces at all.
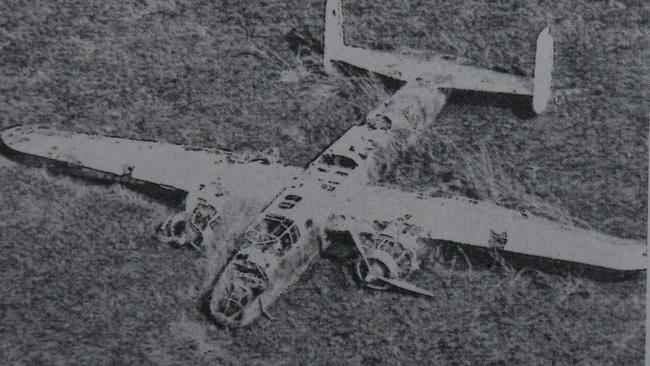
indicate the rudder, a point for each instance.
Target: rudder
{"x":333,"y":33}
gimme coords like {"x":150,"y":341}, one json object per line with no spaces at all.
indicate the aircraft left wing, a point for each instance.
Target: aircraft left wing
{"x":165,"y":164}
{"x":487,"y":225}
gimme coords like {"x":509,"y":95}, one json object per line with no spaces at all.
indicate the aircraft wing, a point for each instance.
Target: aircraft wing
{"x":488,"y":225}
{"x":165,"y":164}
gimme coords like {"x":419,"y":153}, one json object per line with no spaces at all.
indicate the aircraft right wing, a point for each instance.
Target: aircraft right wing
{"x":487,"y":225}
{"x":165,"y":164}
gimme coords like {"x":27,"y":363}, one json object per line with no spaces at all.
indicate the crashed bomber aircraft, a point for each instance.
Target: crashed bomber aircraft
{"x":330,"y":198}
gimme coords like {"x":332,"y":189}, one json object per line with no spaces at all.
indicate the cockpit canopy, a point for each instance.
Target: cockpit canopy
{"x":274,"y":232}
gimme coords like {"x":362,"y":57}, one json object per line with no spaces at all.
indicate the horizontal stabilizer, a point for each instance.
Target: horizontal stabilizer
{"x":441,"y":71}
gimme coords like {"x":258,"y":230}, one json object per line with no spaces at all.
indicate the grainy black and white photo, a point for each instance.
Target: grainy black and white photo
{"x":323,"y":182}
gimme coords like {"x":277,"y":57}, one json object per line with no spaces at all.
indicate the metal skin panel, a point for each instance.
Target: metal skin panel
{"x":445,"y":73}
{"x":338,"y":173}
{"x":446,"y":219}
{"x":471,"y":222}
{"x":441,"y":71}
{"x":543,"y":70}
{"x":169,"y":165}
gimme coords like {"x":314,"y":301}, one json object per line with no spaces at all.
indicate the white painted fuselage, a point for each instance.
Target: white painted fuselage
{"x":285,"y":237}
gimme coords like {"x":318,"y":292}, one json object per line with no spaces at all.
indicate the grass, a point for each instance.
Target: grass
{"x":83,"y":282}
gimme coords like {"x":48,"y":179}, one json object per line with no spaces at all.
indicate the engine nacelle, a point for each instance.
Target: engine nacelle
{"x":383,"y":256}
{"x":192,"y":226}
{"x":377,"y":263}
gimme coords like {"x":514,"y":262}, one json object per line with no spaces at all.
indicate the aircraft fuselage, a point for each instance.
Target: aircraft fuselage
{"x":285,"y":237}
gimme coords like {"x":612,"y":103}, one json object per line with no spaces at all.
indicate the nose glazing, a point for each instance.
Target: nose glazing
{"x":240,"y":284}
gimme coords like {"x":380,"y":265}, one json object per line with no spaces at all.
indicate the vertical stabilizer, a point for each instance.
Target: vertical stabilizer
{"x":543,"y":70}
{"x":333,"y":33}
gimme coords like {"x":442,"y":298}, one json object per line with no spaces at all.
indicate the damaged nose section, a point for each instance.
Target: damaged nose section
{"x":235,"y":298}
{"x":227,"y":308}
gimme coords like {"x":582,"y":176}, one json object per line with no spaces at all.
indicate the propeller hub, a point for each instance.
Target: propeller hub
{"x":377,"y":264}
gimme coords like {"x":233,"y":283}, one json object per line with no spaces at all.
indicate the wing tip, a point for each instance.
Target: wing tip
{"x":10,"y":136}
{"x":14,"y":136}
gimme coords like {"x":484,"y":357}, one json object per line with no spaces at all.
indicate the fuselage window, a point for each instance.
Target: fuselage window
{"x":274,"y":233}
{"x":273,"y":226}
{"x":338,"y":160}
{"x":289,"y":239}
{"x":293,"y":197}
{"x":289,"y":201}
{"x":286,"y":243}
{"x":295,"y":234}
